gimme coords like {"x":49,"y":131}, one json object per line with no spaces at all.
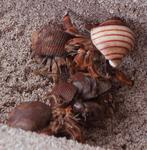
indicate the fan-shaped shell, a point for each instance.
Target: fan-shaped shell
{"x":113,"y":39}
{"x":65,"y":90}
{"x":49,"y":41}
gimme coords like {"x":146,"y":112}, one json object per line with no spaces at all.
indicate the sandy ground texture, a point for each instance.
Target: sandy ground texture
{"x":18,"y":18}
{"x":28,"y":141}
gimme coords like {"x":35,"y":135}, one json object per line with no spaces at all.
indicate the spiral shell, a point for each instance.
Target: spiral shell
{"x":113,"y":39}
{"x":49,"y":41}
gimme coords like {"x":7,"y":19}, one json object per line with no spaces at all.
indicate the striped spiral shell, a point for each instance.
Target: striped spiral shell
{"x":113,"y":39}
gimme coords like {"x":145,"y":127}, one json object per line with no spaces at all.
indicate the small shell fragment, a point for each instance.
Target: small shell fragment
{"x":113,"y":39}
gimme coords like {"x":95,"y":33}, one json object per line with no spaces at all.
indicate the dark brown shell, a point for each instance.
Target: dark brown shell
{"x":89,"y":87}
{"x":49,"y":41}
{"x":65,"y":90}
{"x":31,"y":116}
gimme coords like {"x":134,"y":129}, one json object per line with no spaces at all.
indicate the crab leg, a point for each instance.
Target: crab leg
{"x":52,"y":129}
{"x":69,"y":26}
{"x":51,"y":63}
{"x":79,"y":58}
{"x":120,"y":76}
{"x":74,"y":131}
{"x":62,"y":68}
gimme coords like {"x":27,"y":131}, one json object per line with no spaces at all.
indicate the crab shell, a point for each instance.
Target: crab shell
{"x":49,"y":41}
{"x":88,"y":87}
{"x":113,"y":39}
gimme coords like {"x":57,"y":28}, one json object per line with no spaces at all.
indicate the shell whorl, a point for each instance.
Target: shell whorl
{"x":113,"y":39}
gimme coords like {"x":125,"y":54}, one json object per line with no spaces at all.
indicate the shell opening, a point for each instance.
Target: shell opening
{"x":115,"y":63}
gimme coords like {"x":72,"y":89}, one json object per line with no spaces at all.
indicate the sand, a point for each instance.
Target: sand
{"x":19,"y":18}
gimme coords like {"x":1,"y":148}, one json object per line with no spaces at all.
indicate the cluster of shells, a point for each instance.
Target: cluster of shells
{"x":81,"y":94}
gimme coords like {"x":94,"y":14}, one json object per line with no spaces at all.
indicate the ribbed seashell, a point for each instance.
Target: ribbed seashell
{"x":65,"y":90}
{"x":49,"y":41}
{"x":113,"y":39}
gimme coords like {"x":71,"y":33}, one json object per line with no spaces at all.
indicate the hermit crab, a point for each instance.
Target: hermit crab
{"x":114,"y":40}
{"x":62,"y":116}
{"x":81,"y":53}
{"x":61,"y":44}
{"x":51,"y":120}
{"x":94,"y":100}
{"x":56,"y":118}
{"x":49,"y":43}
{"x":83,"y":92}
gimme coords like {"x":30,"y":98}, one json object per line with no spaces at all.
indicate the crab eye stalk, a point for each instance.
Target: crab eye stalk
{"x":78,"y":108}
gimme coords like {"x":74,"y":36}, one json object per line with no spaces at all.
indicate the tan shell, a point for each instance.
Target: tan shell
{"x":113,"y":39}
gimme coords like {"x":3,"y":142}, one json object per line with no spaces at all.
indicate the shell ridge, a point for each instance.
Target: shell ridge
{"x":114,"y":35}
{"x":105,"y":30}
{"x":103,"y":49}
{"x":121,"y":41}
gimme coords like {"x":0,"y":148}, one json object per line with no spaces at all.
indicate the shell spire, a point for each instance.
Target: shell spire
{"x":113,"y":39}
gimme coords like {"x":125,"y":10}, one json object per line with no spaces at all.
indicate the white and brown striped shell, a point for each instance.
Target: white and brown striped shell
{"x":113,"y":39}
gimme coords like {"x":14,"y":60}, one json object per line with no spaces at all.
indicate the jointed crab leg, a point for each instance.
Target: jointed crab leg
{"x":69,"y":26}
{"x":74,"y":132}
{"x":118,"y":75}
{"x":52,"y":129}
